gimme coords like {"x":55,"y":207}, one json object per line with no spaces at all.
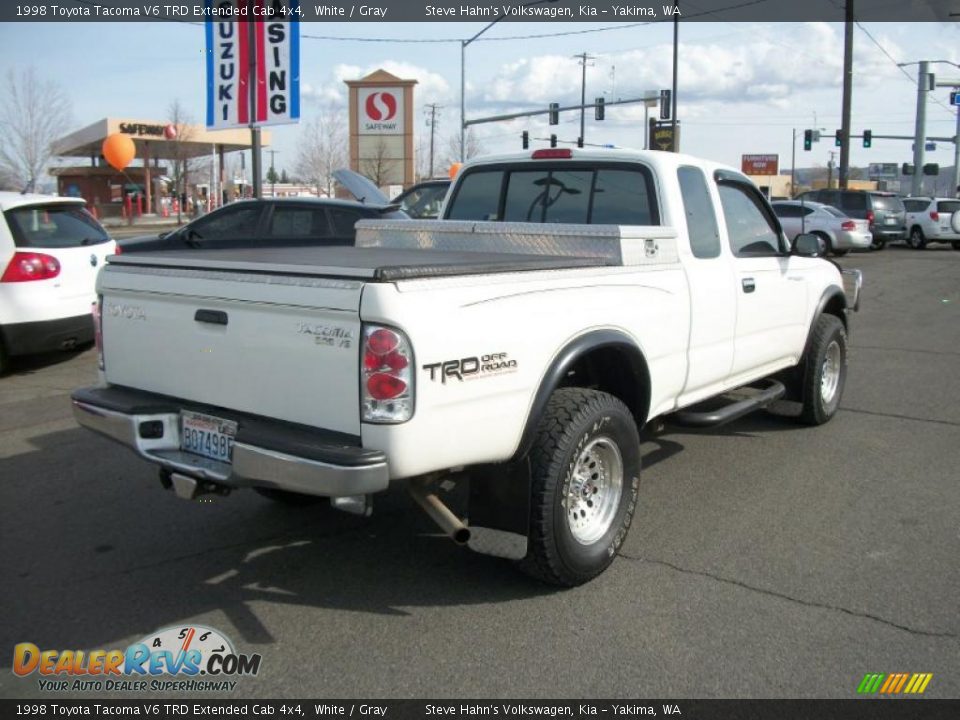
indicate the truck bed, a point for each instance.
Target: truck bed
{"x":372,"y":264}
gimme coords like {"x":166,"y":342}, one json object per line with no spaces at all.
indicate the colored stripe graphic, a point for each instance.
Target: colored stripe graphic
{"x":894,"y":683}
{"x":243,"y":93}
{"x":295,"y":60}
{"x":208,"y":37}
{"x":261,"y":71}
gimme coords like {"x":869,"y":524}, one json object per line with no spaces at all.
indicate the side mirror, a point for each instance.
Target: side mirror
{"x":809,"y":245}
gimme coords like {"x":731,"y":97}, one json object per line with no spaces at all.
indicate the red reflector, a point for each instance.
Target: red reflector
{"x":27,"y":266}
{"x":383,"y":341}
{"x":848,"y":225}
{"x":552,"y":153}
{"x":385,"y":387}
{"x":934,"y":215}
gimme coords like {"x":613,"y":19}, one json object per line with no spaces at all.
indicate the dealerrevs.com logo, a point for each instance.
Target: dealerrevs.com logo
{"x":178,"y":658}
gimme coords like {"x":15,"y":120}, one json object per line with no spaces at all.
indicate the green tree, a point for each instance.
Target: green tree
{"x":284,"y":178}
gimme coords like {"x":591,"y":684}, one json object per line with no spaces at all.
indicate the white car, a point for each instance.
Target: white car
{"x":929,"y":220}
{"x":840,"y":232}
{"x":51,"y":249}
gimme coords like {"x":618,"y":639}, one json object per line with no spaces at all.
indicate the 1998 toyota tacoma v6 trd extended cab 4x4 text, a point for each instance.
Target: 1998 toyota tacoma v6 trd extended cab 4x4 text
{"x":566,"y":299}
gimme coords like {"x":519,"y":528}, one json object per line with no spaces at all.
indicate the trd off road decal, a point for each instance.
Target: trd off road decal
{"x":471,"y":368}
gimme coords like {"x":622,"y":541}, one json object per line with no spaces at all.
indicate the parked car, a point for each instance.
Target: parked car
{"x":422,"y":201}
{"x":50,"y":251}
{"x":840,"y":232}
{"x":929,"y":221}
{"x":267,"y":222}
{"x":883,"y":210}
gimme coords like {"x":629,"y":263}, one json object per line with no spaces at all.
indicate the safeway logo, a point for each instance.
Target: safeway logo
{"x":381,"y":106}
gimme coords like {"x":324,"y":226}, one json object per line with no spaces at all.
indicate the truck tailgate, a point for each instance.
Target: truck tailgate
{"x":273,"y":345}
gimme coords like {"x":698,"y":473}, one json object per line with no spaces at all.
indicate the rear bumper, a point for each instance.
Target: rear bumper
{"x":266,"y":453}
{"x":48,"y":335}
{"x":888,"y":233}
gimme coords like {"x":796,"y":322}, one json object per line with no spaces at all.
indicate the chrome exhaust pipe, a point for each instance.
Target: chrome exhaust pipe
{"x":451,"y":525}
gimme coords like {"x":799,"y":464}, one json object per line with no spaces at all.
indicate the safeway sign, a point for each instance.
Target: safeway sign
{"x":380,"y":111}
{"x":760,"y":164}
{"x":272,"y":39}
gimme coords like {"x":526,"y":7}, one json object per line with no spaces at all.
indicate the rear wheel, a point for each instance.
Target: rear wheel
{"x":828,"y":243}
{"x":878,"y":243}
{"x":824,"y":371}
{"x":585,"y":466}
{"x":916,"y":240}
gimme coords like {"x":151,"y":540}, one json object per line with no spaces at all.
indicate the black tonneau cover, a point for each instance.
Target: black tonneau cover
{"x":377,"y":264}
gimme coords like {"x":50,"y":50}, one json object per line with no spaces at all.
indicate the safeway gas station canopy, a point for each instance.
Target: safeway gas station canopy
{"x":152,"y":141}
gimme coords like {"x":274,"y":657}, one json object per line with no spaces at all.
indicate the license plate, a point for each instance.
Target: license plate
{"x":207,"y":435}
{"x":891,"y":221}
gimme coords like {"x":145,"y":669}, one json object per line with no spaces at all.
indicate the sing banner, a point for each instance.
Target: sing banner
{"x":270,"y":31}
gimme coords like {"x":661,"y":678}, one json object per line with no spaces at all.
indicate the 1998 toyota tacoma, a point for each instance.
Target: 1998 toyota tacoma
{"x":569,"y":298}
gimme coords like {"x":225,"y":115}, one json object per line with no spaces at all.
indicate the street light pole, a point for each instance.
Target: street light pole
{"x":463,"y":74}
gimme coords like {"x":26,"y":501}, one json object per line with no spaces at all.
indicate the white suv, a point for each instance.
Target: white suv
{"x":51,"y":249}
{"x":929,"y":220}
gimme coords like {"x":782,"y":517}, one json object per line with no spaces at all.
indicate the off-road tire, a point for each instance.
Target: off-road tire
{"x":819,"y":361}
{"x":574,"y":421}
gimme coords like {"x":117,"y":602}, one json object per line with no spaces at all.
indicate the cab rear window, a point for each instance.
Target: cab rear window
{"x":566,"y":193}
{"x":54,"y":226}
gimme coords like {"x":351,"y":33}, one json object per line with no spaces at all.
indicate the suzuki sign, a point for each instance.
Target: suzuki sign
{"x":380,"y":111}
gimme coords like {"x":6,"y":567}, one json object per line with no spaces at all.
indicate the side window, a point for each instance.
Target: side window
{"x":698,"y":208}
{"x":854,"y":201}
{"x":914,"y":205}
{"x":748,"y":228}
{"x":787,"y":211}
{"x":298,"y":222}
{"x":622,"y":197}
{"x":343,"y":220}
{"x":478,"y":196}
{"x":229,"y":223}
{"x":829,"y":197}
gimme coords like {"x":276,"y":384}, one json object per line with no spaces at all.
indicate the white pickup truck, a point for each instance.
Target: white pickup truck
{"x":567,"y":299}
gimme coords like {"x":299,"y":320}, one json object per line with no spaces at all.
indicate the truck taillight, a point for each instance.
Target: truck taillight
{"x":97,"y":310}
{"x":386,"y":375}
{"x":848,"y":225}
{"x":27,"y":266}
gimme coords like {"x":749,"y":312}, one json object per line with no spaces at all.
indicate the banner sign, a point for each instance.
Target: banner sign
{"x":760,"y":164}
{"x":274,"y":42}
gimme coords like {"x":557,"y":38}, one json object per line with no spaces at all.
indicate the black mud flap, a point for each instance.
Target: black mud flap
{"x":499,"y":509}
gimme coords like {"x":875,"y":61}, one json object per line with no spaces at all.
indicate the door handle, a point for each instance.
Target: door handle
{"x":214,"y":317}
{"x":748,"y":285}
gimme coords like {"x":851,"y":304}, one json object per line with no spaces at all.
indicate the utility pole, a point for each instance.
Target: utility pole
{"x":273,"y":174}
{"x":673,"y":96}
{"x":433,"y":123}
{"x":830,"y":170}
{"x":793,"y":165}
{"x":920,"y":129}
{"x":255,"y":160}
{"x":583,"y":94}
{"x":847,"y":93}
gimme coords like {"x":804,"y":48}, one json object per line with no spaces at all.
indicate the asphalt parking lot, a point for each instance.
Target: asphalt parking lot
{"x":766,"y":559}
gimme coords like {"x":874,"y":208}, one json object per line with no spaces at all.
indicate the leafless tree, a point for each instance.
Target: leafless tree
{"x":181,"y":162}
{"x":472,"y":144}
{"x":33,"y":113}
{"x":323,"y":149}
{"x":379,"y":167}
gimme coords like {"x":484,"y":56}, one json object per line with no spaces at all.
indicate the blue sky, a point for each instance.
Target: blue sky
{"x":743,"y":87}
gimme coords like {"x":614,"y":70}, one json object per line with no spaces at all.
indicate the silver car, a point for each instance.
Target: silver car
{"x":840,"y":232}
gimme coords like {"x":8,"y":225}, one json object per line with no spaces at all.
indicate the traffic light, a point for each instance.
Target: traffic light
{"x":665,"y":96}
{"x":838,"y":141}
{"x":867,"y":138}
{"x":598,"y":110}
{"x":553,"y":141}
{"x":807,"y":139}
{"x":554,"y":113}
{"x":526,"y":139}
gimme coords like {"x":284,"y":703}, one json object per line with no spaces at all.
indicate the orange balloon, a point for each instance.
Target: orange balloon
{"x":119,"y":150}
